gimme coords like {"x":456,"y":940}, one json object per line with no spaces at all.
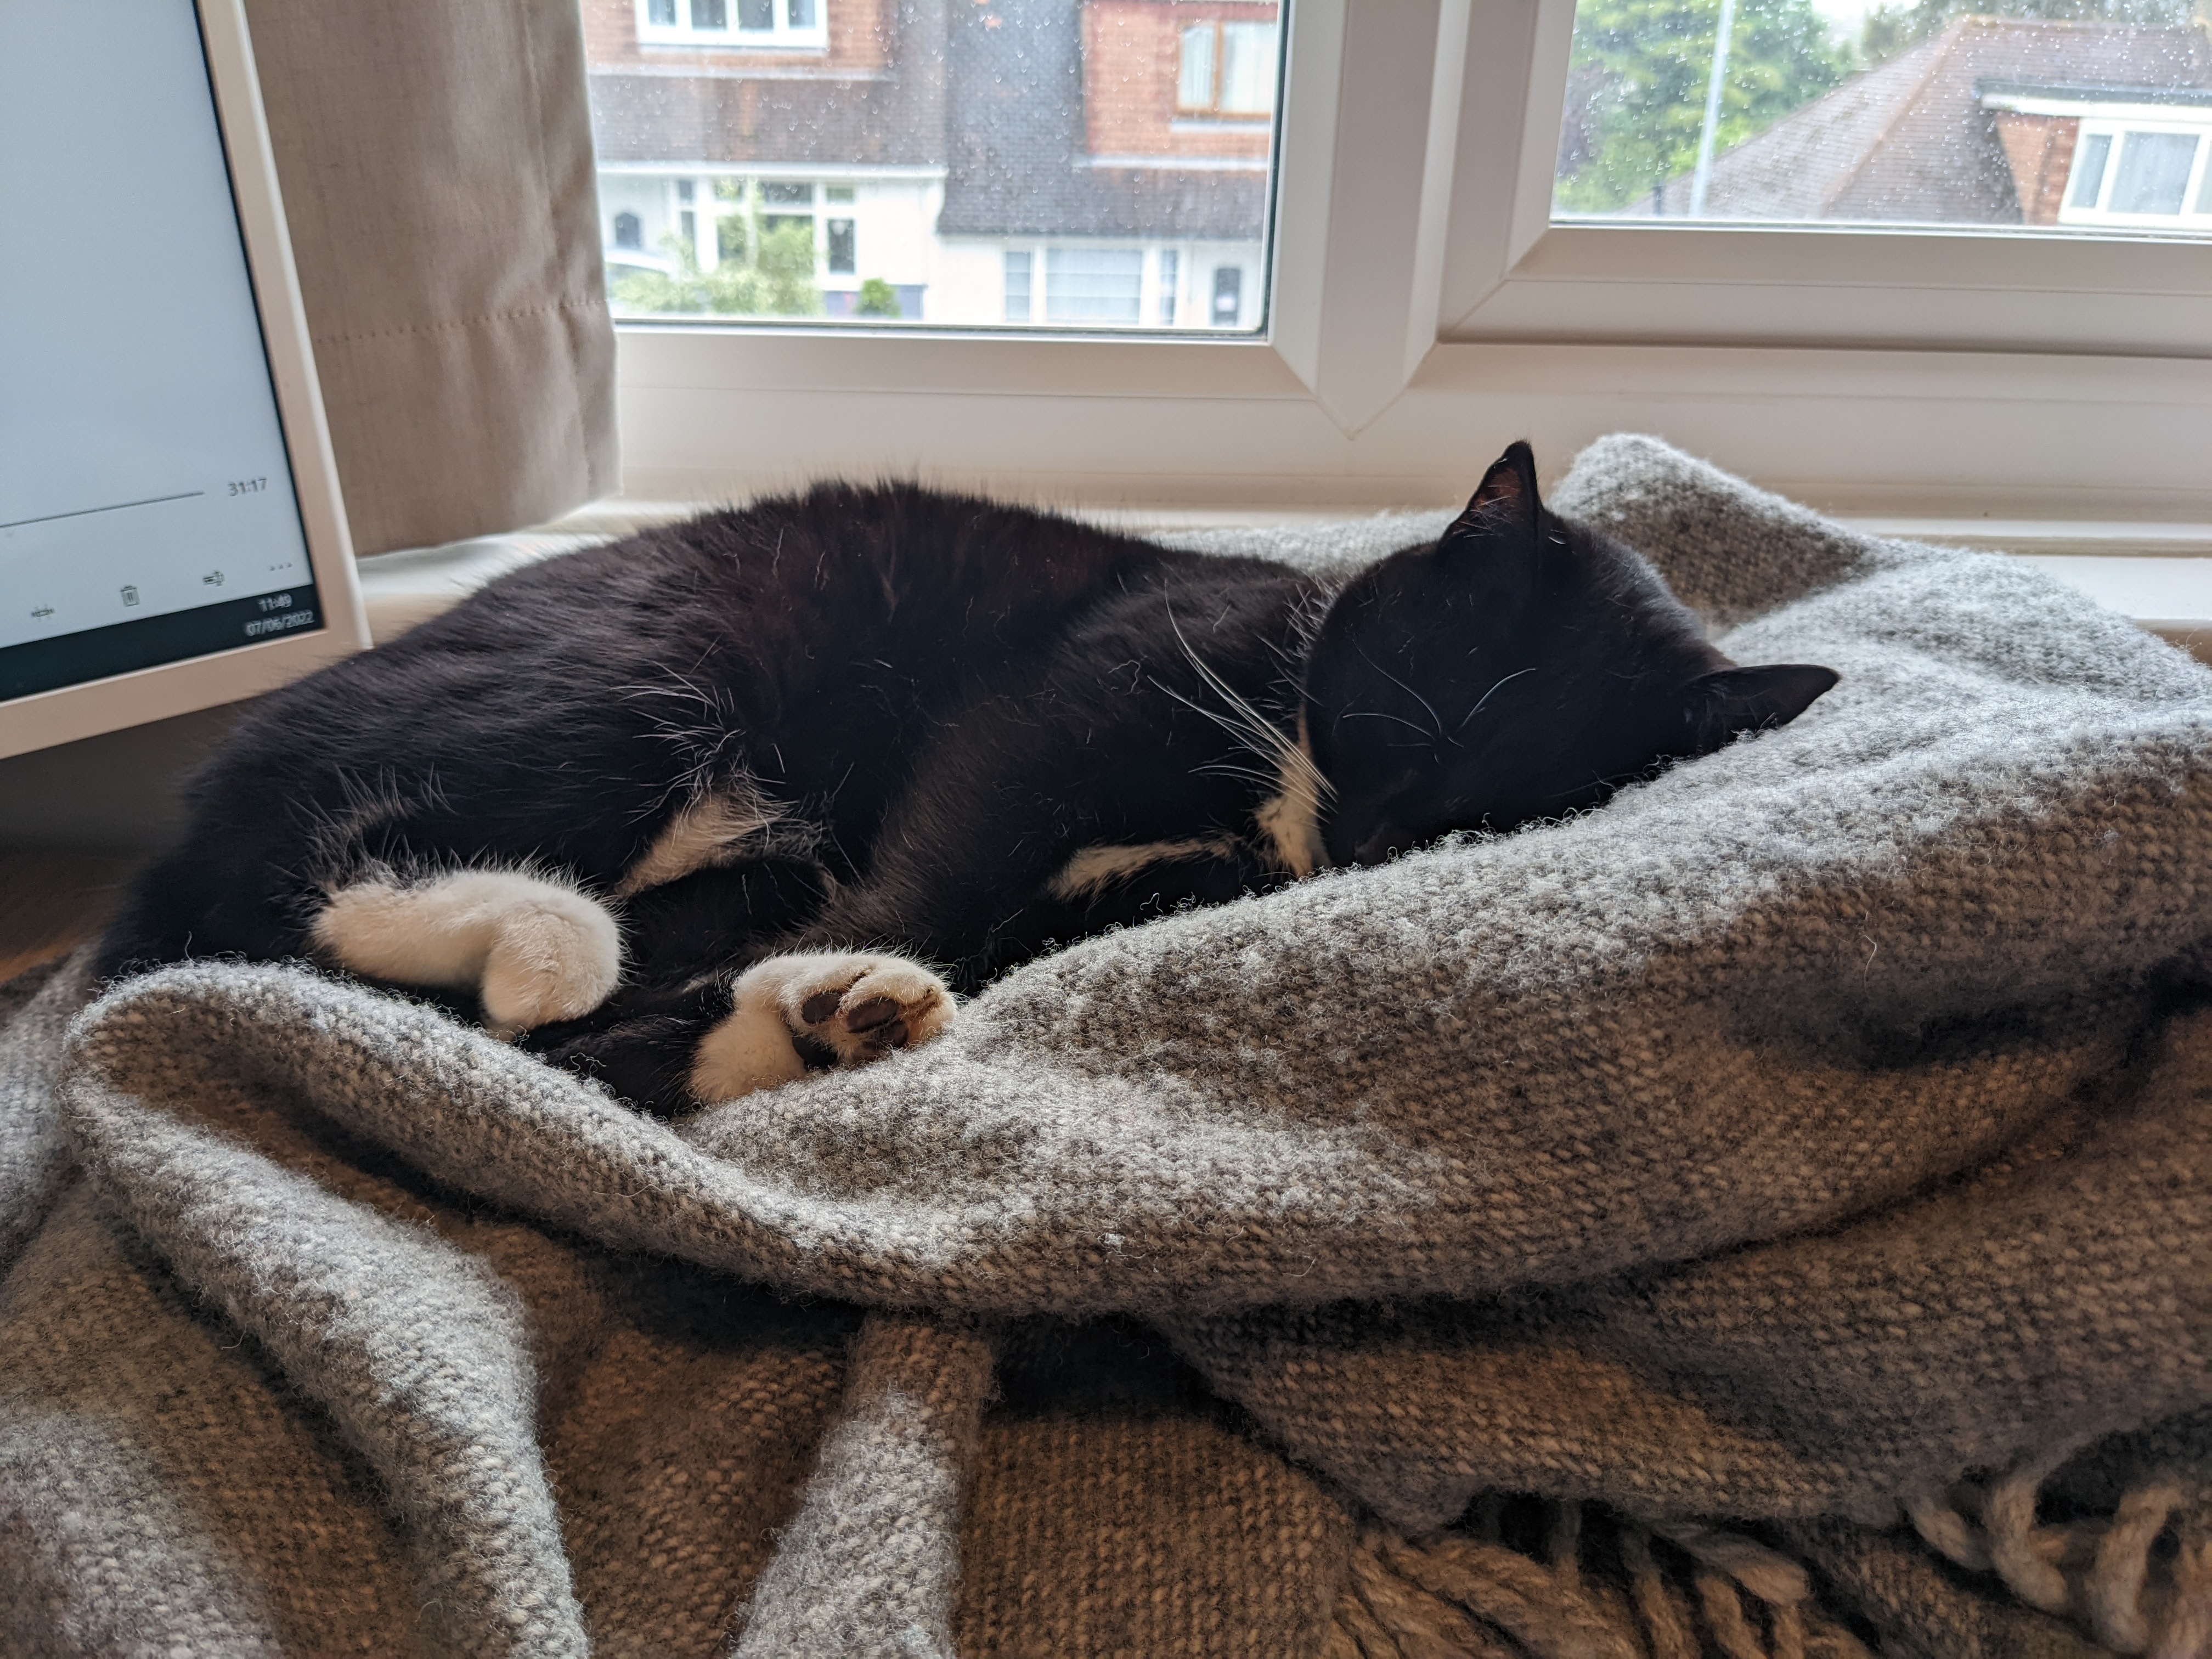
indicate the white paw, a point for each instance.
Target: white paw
{"x":858,"y":1005}
{"x":536,"y":950}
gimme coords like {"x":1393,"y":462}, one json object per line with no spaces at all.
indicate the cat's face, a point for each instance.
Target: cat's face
{"x":1521,"y":668}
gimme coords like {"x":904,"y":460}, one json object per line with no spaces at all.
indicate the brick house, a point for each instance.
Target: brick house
{"x":1082,"y":163}
{"x":1995,"y":121}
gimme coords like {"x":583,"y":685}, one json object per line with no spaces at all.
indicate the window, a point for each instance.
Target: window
{"x":2152,"y":176}
{"x":1196,"y":81}
{"x":629,"y":231}
{"x":2089,"y":170}
{"x":758,"y":24}
{"x":980,"y":131}
{"x":2159,"y":181}
{"x":1413,"y":286}
{"x":1771,"y":112}
{"x":1228,"y":295}
{"x":1093,"y":284}
{"x":1227,"y":69}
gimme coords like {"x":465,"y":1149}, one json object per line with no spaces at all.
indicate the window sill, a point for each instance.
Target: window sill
{"x":2160,"y":575}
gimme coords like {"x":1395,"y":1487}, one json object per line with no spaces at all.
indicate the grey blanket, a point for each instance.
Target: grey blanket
{"x":1766,"y":1216}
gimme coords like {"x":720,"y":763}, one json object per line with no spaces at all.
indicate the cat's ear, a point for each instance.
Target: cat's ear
{"x":1725,"y":704}
{"x":1505,"y":501}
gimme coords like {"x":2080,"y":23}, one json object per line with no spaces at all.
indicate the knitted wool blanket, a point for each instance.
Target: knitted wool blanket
{"x":1770,"y":1215}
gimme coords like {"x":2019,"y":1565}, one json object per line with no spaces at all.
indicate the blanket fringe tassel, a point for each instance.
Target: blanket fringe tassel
{"x":2138,"y":1581}
{"x":1610,"y":1596}
{"x":2107,"y":1573}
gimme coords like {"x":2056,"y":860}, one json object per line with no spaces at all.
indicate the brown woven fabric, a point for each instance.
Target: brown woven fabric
{"x":1791,"y":1181}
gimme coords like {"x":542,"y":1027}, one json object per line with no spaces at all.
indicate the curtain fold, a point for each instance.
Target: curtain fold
{"x":436,"y":162}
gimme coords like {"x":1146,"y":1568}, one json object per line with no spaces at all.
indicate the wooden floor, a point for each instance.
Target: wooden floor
{"x":53,"y":902}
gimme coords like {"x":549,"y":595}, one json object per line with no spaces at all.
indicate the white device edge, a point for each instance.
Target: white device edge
{"x":92,"y":706}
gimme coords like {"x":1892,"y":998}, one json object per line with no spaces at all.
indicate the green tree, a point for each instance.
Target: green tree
{"x":760,"y":273}
{"x":1889,"y":29}
{"x":877,"y":298}
{"x":1636,"y":89}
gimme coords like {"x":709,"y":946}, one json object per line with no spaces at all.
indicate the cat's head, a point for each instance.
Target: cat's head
{"x":1522,"y":667}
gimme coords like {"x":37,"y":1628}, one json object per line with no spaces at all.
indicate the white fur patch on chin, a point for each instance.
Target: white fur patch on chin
{"x":860,"y":1004}
{"x":1290,"y":818}
{"x":535,"y":948}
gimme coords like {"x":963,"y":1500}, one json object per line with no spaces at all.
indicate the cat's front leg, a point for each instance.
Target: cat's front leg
{"x":536,"y":949}
{"x":857,"y":1005}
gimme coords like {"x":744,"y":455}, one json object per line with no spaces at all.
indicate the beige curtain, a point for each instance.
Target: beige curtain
{"x":436,"y":163}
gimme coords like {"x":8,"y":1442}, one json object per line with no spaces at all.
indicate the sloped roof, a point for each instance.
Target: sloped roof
{"x":993,"y":93}
{"x":1017,"y":146}
{"x":801,"y":115}
{"x":1911,"y":142}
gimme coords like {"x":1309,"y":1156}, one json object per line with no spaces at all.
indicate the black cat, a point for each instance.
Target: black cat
{"x":691,"y":811}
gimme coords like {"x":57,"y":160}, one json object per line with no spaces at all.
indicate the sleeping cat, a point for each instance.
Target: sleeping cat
{"x":693,"y":811}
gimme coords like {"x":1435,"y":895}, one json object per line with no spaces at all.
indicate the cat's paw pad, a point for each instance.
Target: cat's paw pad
{"x":862,"y":1007}
{"x":859,"y":1005}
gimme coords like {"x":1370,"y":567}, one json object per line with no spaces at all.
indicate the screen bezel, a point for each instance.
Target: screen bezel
{"x":93,"y":707}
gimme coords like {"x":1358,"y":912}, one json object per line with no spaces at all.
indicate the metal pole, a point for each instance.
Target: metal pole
{"x":1704,"y":176}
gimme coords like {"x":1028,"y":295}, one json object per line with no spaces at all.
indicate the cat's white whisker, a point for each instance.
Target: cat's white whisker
{"x":1487,"y":695}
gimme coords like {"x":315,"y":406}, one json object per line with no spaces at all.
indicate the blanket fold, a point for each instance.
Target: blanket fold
{"x":1765,"y":1213}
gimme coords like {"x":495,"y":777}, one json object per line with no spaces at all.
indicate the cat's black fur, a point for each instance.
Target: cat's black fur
{"x":949,"y":699}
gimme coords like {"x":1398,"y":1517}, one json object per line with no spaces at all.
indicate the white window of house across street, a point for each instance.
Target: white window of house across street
{"x":727,"y":24}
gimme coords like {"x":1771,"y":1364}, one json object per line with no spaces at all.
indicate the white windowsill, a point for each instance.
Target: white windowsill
{"x":2159,"y":575}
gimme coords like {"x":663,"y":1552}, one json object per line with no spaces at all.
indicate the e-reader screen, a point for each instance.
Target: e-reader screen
{"x":147,"y":507}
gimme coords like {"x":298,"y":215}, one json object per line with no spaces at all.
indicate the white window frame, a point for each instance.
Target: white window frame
{"x":1513,"y":274}
{"x":1425,"y":311}
{"x":781,"y":37}
{"x":2120,"y":125}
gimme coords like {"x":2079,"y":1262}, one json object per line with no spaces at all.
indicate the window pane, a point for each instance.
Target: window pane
{"x":2154,"y":172}
{"x":1881,"y":111}
{"x":1248,"y":68}
{"x":2090,"y":169}
{"x":991,"y":163}
{"x":1195,"y":79}
{"x":1093,"y":284}
{"x":1228,"y":295}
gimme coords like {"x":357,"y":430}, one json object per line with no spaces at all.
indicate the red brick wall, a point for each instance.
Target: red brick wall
{"x":2039,"y":149}
{"x":1131,"y":56}
{"x":859,"y":40}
